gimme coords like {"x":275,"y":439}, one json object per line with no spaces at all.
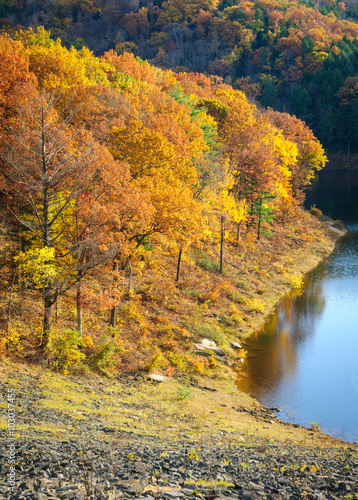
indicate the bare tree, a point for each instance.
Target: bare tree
{"x":50,"y":168}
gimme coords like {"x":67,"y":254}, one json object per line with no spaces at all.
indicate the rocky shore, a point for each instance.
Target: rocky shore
{"x":79,"y":438}
{"x":138,"y":468}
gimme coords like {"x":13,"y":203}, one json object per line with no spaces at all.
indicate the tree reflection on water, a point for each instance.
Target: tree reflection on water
{"x":273,"y":354}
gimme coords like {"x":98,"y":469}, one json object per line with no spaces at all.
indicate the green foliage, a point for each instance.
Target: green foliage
{"x":105,"y":355}
{"x":236,"y":296}
{"x":263,"y":212}
{"x":204,"y":261}
{"x":65,"y":349}
{"x":212,"y":332}
{"x":242,"y":284}
{"x":300,"y":102}
{"x":269,"y":95}
{"x":184,"y":392}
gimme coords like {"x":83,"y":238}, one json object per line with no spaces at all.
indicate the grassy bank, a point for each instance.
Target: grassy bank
{"x":57,"y":407}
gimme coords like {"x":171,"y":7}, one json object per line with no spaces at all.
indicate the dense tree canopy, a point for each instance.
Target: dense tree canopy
{"x":298,"y":57}
{"x":106,"y":161}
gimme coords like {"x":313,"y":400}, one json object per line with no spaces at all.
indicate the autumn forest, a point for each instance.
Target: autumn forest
{"x":154,"y":161}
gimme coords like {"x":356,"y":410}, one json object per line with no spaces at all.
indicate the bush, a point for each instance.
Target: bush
{"x":104,"y":358}
{"x":211,"y":332}
{"x":65,"y":349}
{"x":296,"y":282}
{"x":10,"y":340}
{"x":184,"y":392}
{"x":256,"y":305}
{"x":235,"y":296}
{"x":206,"y":263}
{"x":316,"y":212}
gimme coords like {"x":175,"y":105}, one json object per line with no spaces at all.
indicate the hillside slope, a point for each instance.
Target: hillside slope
{"x":298,"y":57}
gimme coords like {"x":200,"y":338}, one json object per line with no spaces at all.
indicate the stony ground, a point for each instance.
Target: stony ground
{"x":140,"y":468}
{"x":72,"y":444}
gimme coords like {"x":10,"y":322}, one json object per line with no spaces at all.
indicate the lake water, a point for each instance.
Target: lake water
{"x":305,"y":360}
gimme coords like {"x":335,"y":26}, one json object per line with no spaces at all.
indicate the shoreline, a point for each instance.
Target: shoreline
{"x":192,"y":437}
{"x":129,"y":438}
{"x":218,"y":385}
{"x":337,"y":232}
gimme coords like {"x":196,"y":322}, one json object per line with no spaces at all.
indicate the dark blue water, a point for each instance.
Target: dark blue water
{"x":305,"y":360}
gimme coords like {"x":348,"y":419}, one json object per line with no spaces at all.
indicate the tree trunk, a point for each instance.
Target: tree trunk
{"x":259,"y":228}
{"x":259,"y":221}
{"x":113,"y":316}
{"x":179,"y":264}
{"x":79,"y":309}
{"x":113,"y":319}
{"x":46,"y":233}
{"x":130,"y":277}
{"x":47,"y":317}
{"x":56,"y":309}
{"x":222,"y":244}
{"x":238,"y":234}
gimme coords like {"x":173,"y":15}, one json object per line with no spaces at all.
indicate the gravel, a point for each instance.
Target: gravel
{"x":105,"y":464}
{"x":135,"y":466}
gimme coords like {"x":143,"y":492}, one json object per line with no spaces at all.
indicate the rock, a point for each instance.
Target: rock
{"x":158,"y":378}
{"x":235,"y":345}
{"x":338,"y":232}
{"x":205,"y":354}
{"x":173,"y":494}
{"x":40,"y":496}
{"x":209,"y":345}
{"x":219,"y":352}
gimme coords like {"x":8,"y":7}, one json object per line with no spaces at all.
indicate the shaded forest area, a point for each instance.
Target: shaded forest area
{"x":296,"y":57}
{"x":136,"y":202}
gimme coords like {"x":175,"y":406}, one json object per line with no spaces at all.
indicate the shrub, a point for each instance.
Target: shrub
{"x":212,"y":332}
{"x":104,"y":358}
{"x":316,"y":212}
{"x":243,"y":285}
{"x":235,"y":296}
{"x":296,"y":282}
{"x":65,"y":349}
{"x":184,"y":392}
{"x":255,"y":305}
{"x":235,"y":317}
{"x":10,"y":340}
{"x":314,"y":426}
{"x":206,"y":263}
{"x":157,"y":362}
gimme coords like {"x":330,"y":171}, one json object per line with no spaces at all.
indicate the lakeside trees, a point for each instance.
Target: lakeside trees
{"x":108,"y":163}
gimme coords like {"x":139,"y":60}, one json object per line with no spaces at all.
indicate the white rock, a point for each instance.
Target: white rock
{"x":208,"y":343}
{"x":159,"y":378}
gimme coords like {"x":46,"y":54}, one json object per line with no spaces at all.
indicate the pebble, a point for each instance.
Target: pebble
{"x":167,"y":472}
{"x":142,"y":467}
